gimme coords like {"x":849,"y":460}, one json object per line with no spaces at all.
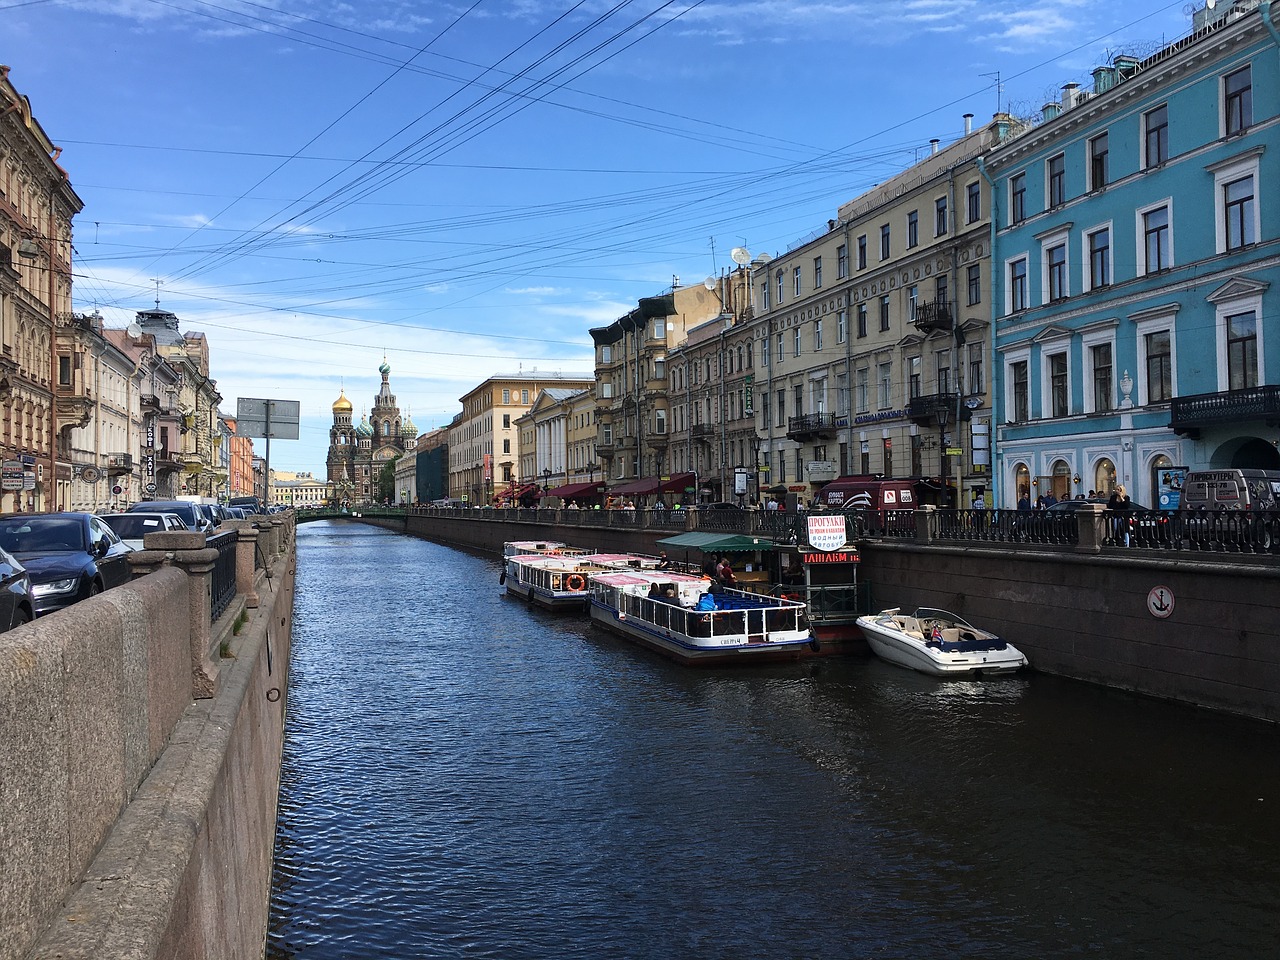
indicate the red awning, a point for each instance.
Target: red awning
{"x":647,"y":486}
{"x":516,"y":491}
{"x":568,"y":490}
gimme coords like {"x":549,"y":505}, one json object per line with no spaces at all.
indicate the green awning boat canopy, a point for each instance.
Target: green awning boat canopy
{"x":717,"y":542}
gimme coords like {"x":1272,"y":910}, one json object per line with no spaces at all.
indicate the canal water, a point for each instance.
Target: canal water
{"x":466,"y":777}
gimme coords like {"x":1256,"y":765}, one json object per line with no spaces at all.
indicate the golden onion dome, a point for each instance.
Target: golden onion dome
{"x":342,"y":404}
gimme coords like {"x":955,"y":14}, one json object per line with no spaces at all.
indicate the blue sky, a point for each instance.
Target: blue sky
{"x":468,"y":188}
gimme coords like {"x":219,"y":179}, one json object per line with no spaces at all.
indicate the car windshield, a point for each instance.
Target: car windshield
{"x":134,"y":526}
{"x":42,"y":534}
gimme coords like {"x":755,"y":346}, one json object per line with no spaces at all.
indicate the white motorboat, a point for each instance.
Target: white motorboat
{"x":678,"y":615}
{"x":939,"y":643}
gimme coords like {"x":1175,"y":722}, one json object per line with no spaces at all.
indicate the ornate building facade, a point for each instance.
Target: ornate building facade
{"x":358,"y":452}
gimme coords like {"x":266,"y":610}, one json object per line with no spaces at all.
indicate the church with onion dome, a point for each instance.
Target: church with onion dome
{"x":358,"y":452}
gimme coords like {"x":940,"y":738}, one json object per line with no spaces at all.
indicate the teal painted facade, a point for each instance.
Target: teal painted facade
{"x":1136,"y":271}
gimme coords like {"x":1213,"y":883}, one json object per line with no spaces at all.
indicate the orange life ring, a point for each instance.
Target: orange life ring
{"x":575,"y":582}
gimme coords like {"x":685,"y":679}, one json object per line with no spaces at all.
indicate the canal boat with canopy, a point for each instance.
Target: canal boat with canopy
{"x":939,"y":643}
{"x":554,"y":581}
{"x":680,"y":616}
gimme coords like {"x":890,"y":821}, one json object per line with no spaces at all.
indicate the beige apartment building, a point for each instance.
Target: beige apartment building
{"x":558,"y":446}
{"x":633,"y":405}
{"x":872,"y":338}
{"x":484,"y":441}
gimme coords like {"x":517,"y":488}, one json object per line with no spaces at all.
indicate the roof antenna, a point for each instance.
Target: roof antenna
{"x":157,"y":281}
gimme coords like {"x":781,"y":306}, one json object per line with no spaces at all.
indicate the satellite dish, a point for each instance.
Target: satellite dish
{"x":134,"y":331}
{"x":740,"y":256}
{"x":709,"y":283}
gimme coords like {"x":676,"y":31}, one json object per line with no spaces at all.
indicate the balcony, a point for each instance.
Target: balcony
{"x":815,"y":426}
{"x":934,"y":315}
{"x":119,"y":463}
{"x":936,"y":408}
{"x":702,"y":431}
{"x":1188,"y":414}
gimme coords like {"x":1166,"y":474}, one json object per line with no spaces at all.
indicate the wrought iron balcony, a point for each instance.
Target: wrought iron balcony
{"x":702,"y":431}
{"x":1188,"y":414}
{"x":119,"y":463}
{"x":812,"y":426}
{"x":939,"y":408}
{"x":934,"y":315}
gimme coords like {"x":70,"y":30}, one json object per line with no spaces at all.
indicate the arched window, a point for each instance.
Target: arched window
{"x":1022,"y":482}
{"x":1060,"y":482}
{"x":1104,"y":477}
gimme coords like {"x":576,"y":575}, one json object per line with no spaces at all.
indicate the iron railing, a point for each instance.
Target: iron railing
{"x":223,"y":586}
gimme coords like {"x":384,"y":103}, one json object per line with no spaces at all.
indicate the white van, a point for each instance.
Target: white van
{"x":1233,"y":489}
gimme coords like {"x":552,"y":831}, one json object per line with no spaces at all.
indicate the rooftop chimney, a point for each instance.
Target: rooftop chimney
{"x":968,"y":124}
{"x":933,"y":145}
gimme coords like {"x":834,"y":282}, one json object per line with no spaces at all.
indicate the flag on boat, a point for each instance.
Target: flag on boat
{"x":937,"y":633}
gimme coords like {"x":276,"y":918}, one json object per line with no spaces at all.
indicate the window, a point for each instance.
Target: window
{"x":862,"y":320}
{"x":842,"y":394}
{"x":1100,"y":367}
{"x":64,"y":370}
{"x":940,"y":217}
{"x":506,"y":420}
{"x":1156,"y":252}
{"x":1018,"y":197}
{"x":817,"y":272}
{"x":764,"y":295}
{"x":1238,"y":205}
{"x":863,"y":396}
{"x":782,"y":346}
{"x":1058,"y":384}
{"x":506,"y":446}
{"x":660,"y":422}
{"x":975,"y":367}
{"x":913,"y":299}
{"x":606,"y":355}
{"x":659,"y":329}
{"x":764,"y":351}
{"x":799,"y":400}
{"x":887,"y":445}
{"x":973,"y":196}
{"x":862,"y":252}
{"x":884,"y":372}
{"x":817,"y":335}
{"x":1155,"y":136}
{"x":975,"y":284}
{"x":942,"y":371}
{"x":884,"y":242}
{"x":506,"y":396}
{"x":884,"y":314}
{"x":606,"y":390}
{"x":1099,"y":166}
{"x":913,"y":232}
{"x":1242,"y":351}
{"x":778,"y":277}
{"x":940,"y":291}
{"x":1236,"y":202}
{"x":1018,"y":391}
{"x":1057,"y":169}
{"x":1099,"y":248}
{"x":1056,"y":272}
{"x":782,"y":407}
{"x":842,"y":261}
{"x":795,"y":282}
{"x":913,"y":377}
{"x":1017,"y":293}
{"x":1159,"y":353}
{"x":842,"y":326}
{"x":1237,"y":100}
{"x":524,"y":396}
{"x":796,"y":342}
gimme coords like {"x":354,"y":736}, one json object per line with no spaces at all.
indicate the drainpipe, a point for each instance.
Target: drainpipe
{"x":1265,"y":9}
{"x":996,"y":405}
{"x":848,"y":360}
{"x":955,"y":330}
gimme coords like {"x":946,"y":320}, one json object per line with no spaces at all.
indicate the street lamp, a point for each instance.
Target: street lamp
{"x":546,"y":479}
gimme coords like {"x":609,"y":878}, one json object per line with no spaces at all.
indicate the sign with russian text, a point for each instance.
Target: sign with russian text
{"x":827,"y":531}
{"x":843,"y":556}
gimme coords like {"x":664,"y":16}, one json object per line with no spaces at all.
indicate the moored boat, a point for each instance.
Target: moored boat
{"x":939,"y":643}
{"x":513,"y":548}
{"x":554,"y":581}
{"x":679,"y":616}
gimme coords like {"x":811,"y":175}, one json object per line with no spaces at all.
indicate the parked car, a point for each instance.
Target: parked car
{"x":237,"y":513}
{"x":132,"y":527}
{"x":251,"y":504}
{"x":68,"y":556}
{"x":15,"y":593}
{"x":190,"y":513}
{"x":722,"y":505}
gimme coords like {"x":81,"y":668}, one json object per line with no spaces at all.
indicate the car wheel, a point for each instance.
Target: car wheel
{"x":95,"y":588}
{"x":21,"y":616}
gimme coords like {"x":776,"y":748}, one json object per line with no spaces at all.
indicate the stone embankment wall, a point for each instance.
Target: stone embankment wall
{"x":1077,"y":612}
{"x":140,"y":770}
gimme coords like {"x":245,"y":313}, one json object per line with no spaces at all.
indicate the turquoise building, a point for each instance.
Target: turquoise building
{"x":1136,"y":270}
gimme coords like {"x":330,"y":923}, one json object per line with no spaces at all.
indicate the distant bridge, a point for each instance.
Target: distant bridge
{"x":307,"y":514}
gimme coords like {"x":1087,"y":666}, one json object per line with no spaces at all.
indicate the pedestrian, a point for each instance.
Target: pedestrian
{"x":1120,"y":505}
{"x":724,"y":573}
{"x":771,"y":505}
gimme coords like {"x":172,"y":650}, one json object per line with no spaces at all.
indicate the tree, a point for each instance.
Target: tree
{"x":387,"y":481}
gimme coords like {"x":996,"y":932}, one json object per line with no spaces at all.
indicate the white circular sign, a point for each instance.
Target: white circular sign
{"x":1160,"y":602}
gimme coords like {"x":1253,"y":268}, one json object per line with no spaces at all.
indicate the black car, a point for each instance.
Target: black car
{"x":252,"y":504}
{"x":15,"y":593}
{"x":68,"y":556}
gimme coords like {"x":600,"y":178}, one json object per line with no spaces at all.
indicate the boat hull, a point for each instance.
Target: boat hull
{"x":896,"y":647}
{"x":575,"y":602}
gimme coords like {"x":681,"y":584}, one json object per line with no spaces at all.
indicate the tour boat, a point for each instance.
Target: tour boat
{"x":938,"y":643}
{"x":514,"y":548}
{"x":677,"y":615}
{"x":554,"y":581}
